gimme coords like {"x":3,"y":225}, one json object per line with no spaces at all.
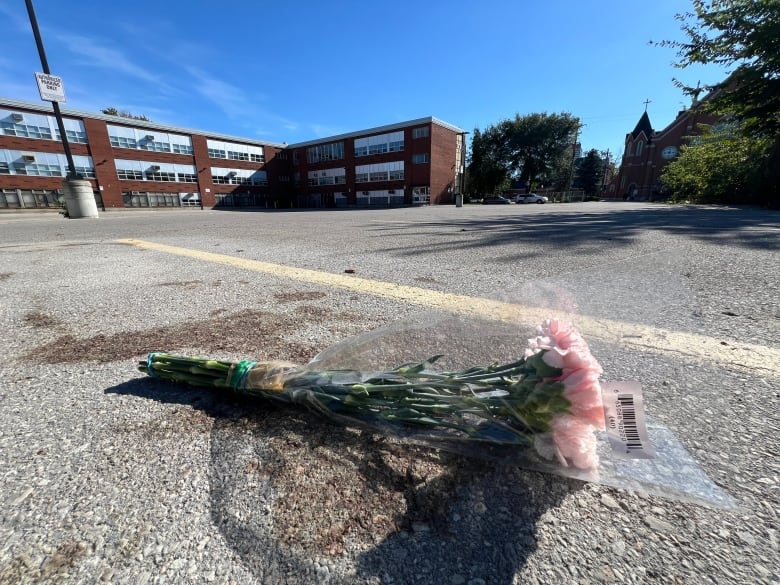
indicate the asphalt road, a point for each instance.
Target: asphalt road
{"x":107,"y":475}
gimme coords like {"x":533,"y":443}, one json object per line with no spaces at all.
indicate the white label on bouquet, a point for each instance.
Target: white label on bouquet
{"x":624,"y":413}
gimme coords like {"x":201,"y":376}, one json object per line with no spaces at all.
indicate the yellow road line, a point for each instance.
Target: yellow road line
{"x":756,"y":359}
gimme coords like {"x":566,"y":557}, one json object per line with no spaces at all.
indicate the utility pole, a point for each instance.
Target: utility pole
{"x":574,"y":155}
{"x":72,"y":174}
{"x":78,"y":197}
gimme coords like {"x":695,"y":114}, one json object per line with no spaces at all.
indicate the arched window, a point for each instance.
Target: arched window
{"x":639,"y":145}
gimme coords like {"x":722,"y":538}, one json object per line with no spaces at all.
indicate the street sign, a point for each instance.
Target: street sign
{"x":50,"y":87}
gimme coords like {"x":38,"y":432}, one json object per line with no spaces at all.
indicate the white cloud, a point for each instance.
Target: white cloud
{"x":229,"y":98}
{"x":104,"y":56}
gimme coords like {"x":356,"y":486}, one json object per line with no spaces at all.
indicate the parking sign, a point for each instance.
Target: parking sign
{"x":50,"y":87}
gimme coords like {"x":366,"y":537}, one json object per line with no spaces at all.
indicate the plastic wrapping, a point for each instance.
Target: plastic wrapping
{"x":519,"y":394}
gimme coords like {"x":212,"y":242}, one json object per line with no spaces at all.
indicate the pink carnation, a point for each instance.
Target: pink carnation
{"x":572,"y":434}
{"x":575,"y":441}
{"x":583,"y":390}
{"x":566,"y":349}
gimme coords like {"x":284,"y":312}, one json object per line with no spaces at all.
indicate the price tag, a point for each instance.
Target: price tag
{"x":624,"y":414}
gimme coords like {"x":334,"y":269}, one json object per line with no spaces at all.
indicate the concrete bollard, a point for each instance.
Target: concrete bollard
{"x":79,"y":199}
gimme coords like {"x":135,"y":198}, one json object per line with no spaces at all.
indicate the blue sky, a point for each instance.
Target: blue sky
{"x":294,"y":71}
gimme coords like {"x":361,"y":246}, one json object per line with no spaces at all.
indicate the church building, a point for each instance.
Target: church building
{"x":648,"y":151}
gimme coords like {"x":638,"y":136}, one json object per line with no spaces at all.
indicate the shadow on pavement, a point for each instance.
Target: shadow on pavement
{"x":559,"y":228}
{"x":302,"y":500}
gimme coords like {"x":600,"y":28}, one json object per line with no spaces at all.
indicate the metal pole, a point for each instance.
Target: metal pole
{"x":39,"y":42}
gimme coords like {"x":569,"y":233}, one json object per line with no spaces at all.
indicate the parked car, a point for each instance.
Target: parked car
{"x":531,"y":198}
{"x":499,"y":199}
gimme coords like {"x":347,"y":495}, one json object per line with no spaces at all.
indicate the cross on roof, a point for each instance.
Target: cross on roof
{"x":646,"y":102}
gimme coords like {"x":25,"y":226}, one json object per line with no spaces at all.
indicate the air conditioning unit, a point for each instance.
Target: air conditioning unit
{"x":17,"y":117}
{"x":28,"y":157}
{"x":154,"y":168}
{"x":232,"y":174}
{"x":149,"y":137}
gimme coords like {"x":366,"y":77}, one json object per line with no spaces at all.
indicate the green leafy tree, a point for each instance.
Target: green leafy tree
{"x":722,"y":165}
{"x":743,"y":36}
{"x":535,"y":142}
{"x":487,"y":170}
{"x":590,"y":173}
{"x":525,"y":148}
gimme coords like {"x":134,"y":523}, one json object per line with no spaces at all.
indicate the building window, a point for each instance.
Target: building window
{"x":639,"y":145}
{"x":86,"y":172}
{"x":389,"y":171}
{"x":325,"y":152}
{"x":337,"y":176}
{"x":232,"y":155}
{"x":130,"y":175}
{"x":422,"y":132}
{"x":26,"y":130}
{"x":380,"y":144}
{"x":187,"y":178}
{"x":123,"y":142}
{"x":73,"y":136}
{"x":164,"y":176}
{"x":235,"y":151}
{"x":145,"y":199}
{"x":155,"y":145}
{"x":182,"y":148}
{"x":420,"y":158}
{"x":38,"y":170}
{"x":4,"y":168}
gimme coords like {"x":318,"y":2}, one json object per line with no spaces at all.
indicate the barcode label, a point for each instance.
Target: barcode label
{"x":625,"y":417}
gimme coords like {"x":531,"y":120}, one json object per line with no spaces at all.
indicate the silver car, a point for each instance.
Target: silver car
{"x":531,"y":198}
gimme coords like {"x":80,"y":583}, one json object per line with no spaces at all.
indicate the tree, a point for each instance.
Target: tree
{"x":722,"y":165}
{"x":124,"y":114}
{"x":487,"y":169}
{"x":536,"y":141}
{"x":590,"y":173}
{"x":525,"y":148}
{"x":743,"y":35}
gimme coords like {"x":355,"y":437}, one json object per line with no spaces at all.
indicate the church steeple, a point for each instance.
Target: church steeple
{"x":643,"y":126}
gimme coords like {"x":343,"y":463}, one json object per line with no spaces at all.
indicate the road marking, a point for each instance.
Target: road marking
{"x":756,"y":359}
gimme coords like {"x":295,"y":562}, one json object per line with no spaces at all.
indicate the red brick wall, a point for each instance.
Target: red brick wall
{"x":443,"y":151}
{"x":644,"y":170}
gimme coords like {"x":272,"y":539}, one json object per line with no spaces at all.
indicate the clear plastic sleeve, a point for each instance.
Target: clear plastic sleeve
{"x":521,"y":394}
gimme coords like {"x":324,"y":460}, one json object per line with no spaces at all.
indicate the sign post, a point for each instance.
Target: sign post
{"x":79,"y":198}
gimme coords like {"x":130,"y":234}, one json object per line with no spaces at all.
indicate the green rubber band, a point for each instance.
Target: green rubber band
{"x":149,"y":361}
{"x":240,"y":374}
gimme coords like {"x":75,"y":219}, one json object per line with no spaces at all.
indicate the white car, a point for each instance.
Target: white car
{"x":531,"y":198}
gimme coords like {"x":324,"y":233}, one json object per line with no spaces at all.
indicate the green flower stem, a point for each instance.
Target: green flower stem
{"x":499,"y":403}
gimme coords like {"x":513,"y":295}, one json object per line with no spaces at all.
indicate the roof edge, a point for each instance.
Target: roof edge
{"x":48,"y":109}
{"x":377,"y":129}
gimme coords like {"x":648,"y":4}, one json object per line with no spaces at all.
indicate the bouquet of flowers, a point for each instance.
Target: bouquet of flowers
{"x":549,"y":400}
{"x":546,"y":411}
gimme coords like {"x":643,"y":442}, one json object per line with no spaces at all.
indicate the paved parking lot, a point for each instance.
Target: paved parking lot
{"x":108,"y":475}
